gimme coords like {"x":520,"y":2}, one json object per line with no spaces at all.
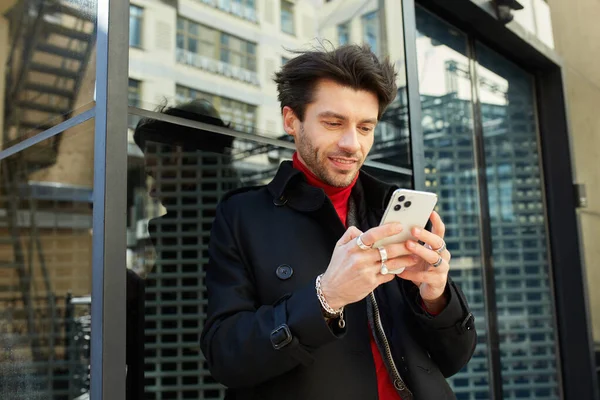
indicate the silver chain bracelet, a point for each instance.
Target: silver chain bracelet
{"x":339,"y":313}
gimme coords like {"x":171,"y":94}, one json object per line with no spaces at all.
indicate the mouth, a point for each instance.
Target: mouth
{"x":343,"y":163}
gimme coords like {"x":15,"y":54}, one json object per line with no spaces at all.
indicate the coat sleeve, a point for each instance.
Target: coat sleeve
{"x":449,"y":337}
{"x":236,"y":339}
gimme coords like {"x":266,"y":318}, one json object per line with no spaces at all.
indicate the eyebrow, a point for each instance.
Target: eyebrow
{"x":331,"y":114}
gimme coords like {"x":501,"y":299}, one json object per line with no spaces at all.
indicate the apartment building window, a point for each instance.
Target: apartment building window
{"x":370,"y":23}
{"x":241,"y":116}
{"x":135,"y":25}
{"x":343,"y":31}
{"x":135,"y":92}
{"x":208,"y":42}
{"x":134,"y":100}
{"x":238,"y":52}
{"x":287,"y":17}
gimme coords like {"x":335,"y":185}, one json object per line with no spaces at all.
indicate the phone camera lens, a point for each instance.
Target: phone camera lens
{"x":401,"y":198}
{"x":407,"y":204}
{"x":397,"y":207}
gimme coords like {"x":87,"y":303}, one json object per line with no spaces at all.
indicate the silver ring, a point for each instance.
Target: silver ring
{"x":383,"y":254}
{"x":438,"y":262}
{"x":384,"y":269}
{"x":360,"y":243}
{"x":441,"y":249}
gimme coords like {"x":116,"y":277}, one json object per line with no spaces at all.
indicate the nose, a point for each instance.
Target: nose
{"x":349,"y":141}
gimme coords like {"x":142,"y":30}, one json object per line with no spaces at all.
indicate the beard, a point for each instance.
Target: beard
{"x":320,"y":165}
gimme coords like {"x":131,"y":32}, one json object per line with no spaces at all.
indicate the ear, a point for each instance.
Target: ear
{"x":290,"y":120}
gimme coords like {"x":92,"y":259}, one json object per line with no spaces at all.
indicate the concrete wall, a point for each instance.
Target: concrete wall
{"x":576,"y":33}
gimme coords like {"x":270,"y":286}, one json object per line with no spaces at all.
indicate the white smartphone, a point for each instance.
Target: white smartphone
{"x":410,"y":208}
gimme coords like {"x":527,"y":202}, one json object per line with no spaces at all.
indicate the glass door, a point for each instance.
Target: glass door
{"x":481,"y":145}
{"x":525,"y":309}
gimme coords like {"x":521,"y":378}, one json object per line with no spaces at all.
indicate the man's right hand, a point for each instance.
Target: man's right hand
{"x":353,"y":273}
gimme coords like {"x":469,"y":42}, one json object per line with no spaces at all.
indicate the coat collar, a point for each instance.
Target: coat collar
{"x":289,"y":187}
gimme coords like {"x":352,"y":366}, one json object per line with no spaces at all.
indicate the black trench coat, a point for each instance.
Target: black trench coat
{"x":268,"y":244}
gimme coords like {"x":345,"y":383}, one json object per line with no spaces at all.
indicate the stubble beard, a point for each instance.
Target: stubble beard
{"x":310,"y":156}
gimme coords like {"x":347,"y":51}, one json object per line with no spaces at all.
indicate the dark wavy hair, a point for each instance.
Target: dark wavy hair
{"x":351,"y":65}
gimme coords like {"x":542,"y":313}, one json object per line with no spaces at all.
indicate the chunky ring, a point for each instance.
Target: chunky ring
{"x":438,"y":262}
{"x":384,"y":269}
{"x":383,"y":254}
{"x":442,"y":248}
{"x":360,"y":243}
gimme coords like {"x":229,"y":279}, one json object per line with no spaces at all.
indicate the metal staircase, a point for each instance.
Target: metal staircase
{"x":52,"y":42}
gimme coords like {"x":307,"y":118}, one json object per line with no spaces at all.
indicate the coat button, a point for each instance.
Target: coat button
{"x":284,"y":272}
{"x":280,"y":201}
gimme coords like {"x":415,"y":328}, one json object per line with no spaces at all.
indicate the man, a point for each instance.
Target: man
{"x":297,"y":305}
{"x":186,"y":166}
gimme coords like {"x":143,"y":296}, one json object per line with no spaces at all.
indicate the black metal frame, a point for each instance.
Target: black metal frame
{"x":110,"y":203}
{"x":570,"y":288}
{"x":487,"y":273}
{"x":413,"y":94}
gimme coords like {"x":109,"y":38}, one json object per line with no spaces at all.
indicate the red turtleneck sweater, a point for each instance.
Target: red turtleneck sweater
{"x":339,"y":197}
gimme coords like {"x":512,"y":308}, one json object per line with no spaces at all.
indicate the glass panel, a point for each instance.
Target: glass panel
{"x":176,"y":177}
{"x":210,"y":47}
{"x":445,"y":84}
{"x":47,"y":64}
{"x":45,"y":267}
{"x":518,"y":220}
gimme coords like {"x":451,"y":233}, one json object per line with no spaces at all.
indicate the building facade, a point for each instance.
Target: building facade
{"x":108,"y":194}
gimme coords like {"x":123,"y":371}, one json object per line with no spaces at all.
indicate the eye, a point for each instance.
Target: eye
{"x":332,"y":124}
{"x":366,"y":129}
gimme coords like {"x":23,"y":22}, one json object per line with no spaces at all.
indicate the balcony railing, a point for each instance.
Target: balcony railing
{"x":235,"y":8}
{"x":217,"y":67}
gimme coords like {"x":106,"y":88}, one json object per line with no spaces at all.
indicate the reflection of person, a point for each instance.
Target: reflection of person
{"x":297,"y":309}
{"x":186,"y":166}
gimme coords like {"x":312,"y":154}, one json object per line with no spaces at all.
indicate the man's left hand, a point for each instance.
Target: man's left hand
{"x":430,"y":280}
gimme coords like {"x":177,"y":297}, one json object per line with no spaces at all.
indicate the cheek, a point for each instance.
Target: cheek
{"x":366,"y":142}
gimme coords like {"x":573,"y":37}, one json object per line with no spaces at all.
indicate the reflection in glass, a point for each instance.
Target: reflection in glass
{"x":343,"y":34}
{"x":210,"y":49}
{"x":49,"y":69}
{"x":287,"y":17}
{"x":370,"y":24}
{"x":176,"y":177}
{"x":445,"y":85}
{"x":239,"y":116}
{"x":523,"y":289}
{"x":134,"y":92}
{"x":173,"y":192}
{"x":135,"y":25}
{"x":45,"y":268}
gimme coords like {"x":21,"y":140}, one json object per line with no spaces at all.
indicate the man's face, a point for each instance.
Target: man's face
{"x":337,"y":132}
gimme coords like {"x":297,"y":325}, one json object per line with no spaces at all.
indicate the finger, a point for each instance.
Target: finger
{"x":381,"y":232}
{"x":432,"y":239}
{"x":402,"y":262}
{"x":433,"y":276}
{"x":430,"y":256}
{"x":424,"y":266}
{"x":437,"y":225}
{"x":385,"y":278}
{"x":393,"y":250}
{"x":350,"y":234}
